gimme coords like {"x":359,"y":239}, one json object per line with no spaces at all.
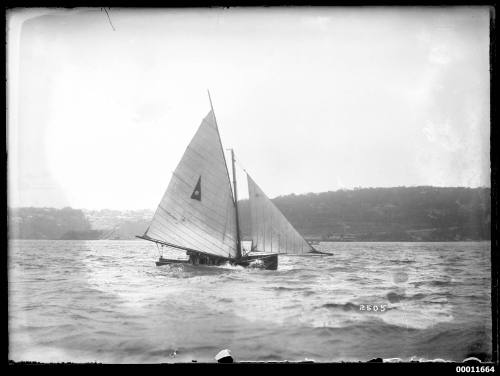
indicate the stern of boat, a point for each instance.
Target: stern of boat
{"x":262,"y":261}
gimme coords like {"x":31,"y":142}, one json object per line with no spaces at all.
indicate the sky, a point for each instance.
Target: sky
{"x":101,"y":110}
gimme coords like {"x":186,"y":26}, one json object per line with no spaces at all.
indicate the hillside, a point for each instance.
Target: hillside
{"x":367,"y":214}
{"x":388,"y":214}
{"x":46,"y":223}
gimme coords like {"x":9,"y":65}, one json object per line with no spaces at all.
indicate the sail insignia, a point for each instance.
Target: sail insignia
{"x":196,"y":195}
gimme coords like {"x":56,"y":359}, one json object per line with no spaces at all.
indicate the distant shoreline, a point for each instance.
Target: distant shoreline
{"x":398,"y":214}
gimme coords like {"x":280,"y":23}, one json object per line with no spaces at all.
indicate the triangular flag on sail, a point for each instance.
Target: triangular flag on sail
{"x":196,"y":195}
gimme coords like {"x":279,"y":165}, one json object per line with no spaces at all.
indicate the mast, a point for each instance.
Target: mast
{"x":235,"y":195}
{"x":238,"y":240}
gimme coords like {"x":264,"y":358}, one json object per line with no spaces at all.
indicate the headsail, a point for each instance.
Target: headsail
{"x":271,"y":231}
{"x":197,"y":210}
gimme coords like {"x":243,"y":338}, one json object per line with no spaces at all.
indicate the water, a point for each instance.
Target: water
{"x":106,"y":301}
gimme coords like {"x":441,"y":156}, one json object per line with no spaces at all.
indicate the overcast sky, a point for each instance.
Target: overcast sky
{"x":311,"y":99}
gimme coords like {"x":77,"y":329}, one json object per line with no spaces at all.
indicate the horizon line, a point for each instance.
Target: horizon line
{"x":246,"y":199}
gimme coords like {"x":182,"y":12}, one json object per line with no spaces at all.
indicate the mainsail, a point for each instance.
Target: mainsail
{"x":197,"y":210}
{"x":270,"y":230}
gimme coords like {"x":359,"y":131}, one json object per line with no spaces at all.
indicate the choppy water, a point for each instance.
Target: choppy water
{"x":106,"y":301}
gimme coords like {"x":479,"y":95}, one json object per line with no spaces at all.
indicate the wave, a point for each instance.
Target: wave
{"x":225,"y":300}
{"x":434,"y":283}
{"x":153,"y":311}
{"x":464,"y":341}
{"x":32,"y":328}
{"x":269,"y":357}
{"x":344,"y":307}
{"x":190,"y":271}
{"x":284,"y":288}
{"x":441,"y":283}
{"x":394,"y":297}
{"x":295,"y":271}
{"x":309,"y":292}
{"x":371,"y":328}
{"x":402,"y":261}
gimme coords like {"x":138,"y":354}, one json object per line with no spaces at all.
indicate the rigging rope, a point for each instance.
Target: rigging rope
{"x":159,"y":252}
{"x":241,"y":166}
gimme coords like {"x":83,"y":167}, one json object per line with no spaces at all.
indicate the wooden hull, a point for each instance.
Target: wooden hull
{"x":267,"y":261}
{"x":163,"y":261}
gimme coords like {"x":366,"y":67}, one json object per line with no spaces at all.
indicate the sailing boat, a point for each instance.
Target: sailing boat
{"x":198,"y":213}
